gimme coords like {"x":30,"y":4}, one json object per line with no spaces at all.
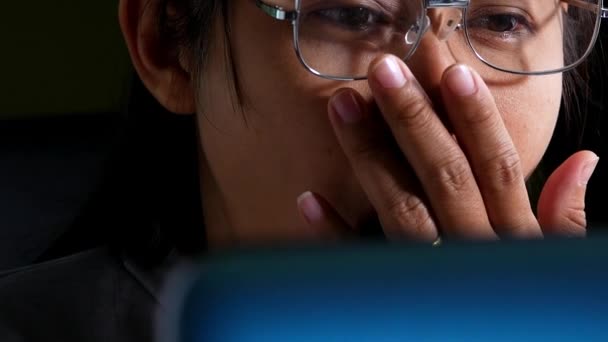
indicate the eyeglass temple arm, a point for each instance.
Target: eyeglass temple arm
{"x":588,"y":6}
{"x":276,"y":12}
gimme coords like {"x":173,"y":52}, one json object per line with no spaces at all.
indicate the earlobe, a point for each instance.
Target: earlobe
{"x":156,"y":60}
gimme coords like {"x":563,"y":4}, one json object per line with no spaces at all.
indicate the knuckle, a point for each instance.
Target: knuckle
{"x":366,"y":151}
{"x":454,"y":175}
{"x":506,"y":168}
{"x":519,"y":228}
{"x":408,"y":211}
{"x":570,"y":221}
{"x":483,"y":116}
{"x":575,"y":218}
{"x":412,"y":111}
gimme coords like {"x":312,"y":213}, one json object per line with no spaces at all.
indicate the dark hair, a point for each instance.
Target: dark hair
{"x":186,"y":26}
{"x":149,"y":200}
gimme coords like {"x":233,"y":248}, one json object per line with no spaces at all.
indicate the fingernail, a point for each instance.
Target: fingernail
{"x":310,"y":207}
{"x":460,"y":81}
{"x":588,"y":171}
{"x":389,"y":74}
{"x":347,"y":107}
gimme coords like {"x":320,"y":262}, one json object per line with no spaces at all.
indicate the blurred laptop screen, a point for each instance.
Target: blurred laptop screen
{"x":526,"y":291}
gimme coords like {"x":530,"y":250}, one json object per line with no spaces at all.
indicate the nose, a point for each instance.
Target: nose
{"x":445,"y":21}
{"x":434,"y":55}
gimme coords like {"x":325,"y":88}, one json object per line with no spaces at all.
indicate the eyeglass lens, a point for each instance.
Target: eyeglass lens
{"x":340,"y":38}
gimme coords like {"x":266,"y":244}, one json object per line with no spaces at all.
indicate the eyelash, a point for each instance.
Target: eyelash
{"x":337,"y":16}
{"x":520,"y":24}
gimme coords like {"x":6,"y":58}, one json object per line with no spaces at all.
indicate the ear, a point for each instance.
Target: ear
{"x":156,"y":61}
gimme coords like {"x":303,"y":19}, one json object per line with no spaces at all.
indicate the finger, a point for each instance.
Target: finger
{"x":561,"y":206}
{"x":487,"y":144}
{"x":380,"y":169}
{"x":323,"y":220}
{"x":436,"y":158}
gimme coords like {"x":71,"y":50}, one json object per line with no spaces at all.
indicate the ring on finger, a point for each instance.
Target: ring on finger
{"x":437,"y":242}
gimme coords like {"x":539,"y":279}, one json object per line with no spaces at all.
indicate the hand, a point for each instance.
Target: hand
{"x":423,"y":181}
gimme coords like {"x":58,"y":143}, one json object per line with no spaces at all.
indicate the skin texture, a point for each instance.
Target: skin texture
{"x":308,"y":159}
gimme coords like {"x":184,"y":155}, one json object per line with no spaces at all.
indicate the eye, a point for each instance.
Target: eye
{"x":501,"y":23}
{"x":352,"y":18}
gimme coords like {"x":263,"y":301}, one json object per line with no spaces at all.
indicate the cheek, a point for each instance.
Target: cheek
{"x":530,"y":109}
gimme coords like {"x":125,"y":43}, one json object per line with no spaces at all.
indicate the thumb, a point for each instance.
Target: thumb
{"x":561,"y":206}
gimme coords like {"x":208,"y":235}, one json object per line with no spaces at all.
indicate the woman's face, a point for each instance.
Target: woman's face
{"x":258,"y":160}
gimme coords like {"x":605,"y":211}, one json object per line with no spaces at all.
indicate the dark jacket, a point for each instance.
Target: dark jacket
{"x":91,"y":296}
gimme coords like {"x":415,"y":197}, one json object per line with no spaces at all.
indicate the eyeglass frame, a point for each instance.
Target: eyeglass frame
{"x":294,"y":16}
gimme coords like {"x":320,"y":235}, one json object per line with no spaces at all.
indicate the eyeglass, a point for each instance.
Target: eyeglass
{"x":338,"y":39}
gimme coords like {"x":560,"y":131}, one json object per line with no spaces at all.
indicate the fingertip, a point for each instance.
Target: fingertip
{"x":389,"y":72}
{"x":588,"y":169}
{"x":582,"y":157}
{"x":346,"y":106}
{"x":579,"y":168}
{"x":324,"y":222}
{"x":310,"y":208}
{"x":588,"y":154}
{"x":460,"y":80}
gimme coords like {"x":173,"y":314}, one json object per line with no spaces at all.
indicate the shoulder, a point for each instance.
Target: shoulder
{"x":89,"y":296}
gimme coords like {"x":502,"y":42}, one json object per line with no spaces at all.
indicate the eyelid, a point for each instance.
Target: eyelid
{"x":374,"y":6}
{"x":519,"y":13}
{"x":526,"y":10}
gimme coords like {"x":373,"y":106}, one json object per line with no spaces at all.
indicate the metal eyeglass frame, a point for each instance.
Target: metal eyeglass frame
{"x":294,"y":16}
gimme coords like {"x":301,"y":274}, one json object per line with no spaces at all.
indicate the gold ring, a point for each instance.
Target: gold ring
{"x":437,"y":242}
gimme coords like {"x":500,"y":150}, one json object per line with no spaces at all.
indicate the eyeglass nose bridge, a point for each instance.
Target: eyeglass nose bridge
{"x":453,"y":23}
{"x":449,"y":20}
{"x":444,"y":23}
{"x":446,"y":3}
{"x":449,"y":16}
